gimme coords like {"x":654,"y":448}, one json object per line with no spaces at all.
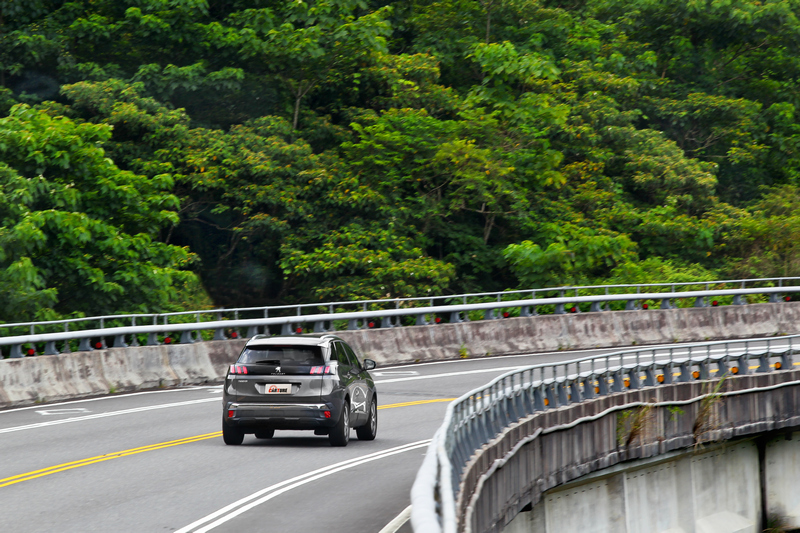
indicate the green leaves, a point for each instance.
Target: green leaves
{"x":77,"y":232}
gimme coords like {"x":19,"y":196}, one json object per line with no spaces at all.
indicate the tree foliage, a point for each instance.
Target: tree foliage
{"x":326,"y":149}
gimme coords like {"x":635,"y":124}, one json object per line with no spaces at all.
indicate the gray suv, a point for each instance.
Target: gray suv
{"x":314,"y":382}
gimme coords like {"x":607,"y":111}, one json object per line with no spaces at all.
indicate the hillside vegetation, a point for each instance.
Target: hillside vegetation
{"x":165,"y":154}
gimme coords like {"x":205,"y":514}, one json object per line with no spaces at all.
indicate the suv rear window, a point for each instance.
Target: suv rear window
{"x":282,"y":355}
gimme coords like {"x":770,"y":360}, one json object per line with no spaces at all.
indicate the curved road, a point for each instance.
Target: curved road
{"x":155,"y":461}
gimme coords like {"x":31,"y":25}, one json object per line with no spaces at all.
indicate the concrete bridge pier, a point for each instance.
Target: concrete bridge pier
{"x":722,"y":488}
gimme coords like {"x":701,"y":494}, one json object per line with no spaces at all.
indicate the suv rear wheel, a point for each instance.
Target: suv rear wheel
{"x":340,"y":433}
{"x":232,"y":435}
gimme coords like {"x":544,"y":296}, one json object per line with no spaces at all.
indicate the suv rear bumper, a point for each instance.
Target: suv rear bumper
{"x":281,"y":415}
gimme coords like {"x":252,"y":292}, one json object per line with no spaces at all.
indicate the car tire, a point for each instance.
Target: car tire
{"x":232,"y":436}
{"x":340,"y":433}
{"x":264,"y":433}
{"x":370,"y":429}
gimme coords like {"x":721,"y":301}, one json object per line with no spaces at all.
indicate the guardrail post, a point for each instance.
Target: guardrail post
{"x":219,"y":335}
{"x":743,"y":363}
{"x":575,"y":391}
{"x":649,"y":377}
{"x":665,"y":304}
{"x":16,"y":352}
{"x":539,"y":394}
{"x":552,"y":397}
{"x":737,"y":300}
{"x":686,"y":372}
{"x":562,"y":393}
{"x":353,"y":324}
{"x":50,"y":348}
{"x":602,"y":385}
{"x":421,"y":320}
{"x":596,"y":307}
{"x":588,"y":388}
{"x":489,"y":314}
{"x":252,"y":331}
{"x":630,"y":305}
{"x":704,"y":370}
{"x":669,"y":370}
{"x":633,"y":376}
{"x":763,"y":362}
{"x":85,"y":345}
{"x":119,"y":341}
{"x":386,"y":322}
{"x":700,"y":302}
{"x":560,"y":309}
{"x":773,"y":298}
{"x":286,"y":329}
{"x":455,"y":317}
{"x":722,"y":366}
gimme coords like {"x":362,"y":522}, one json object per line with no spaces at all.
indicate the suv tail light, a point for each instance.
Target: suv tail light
{"x":321,"y":370}
{"x":238,"y":369}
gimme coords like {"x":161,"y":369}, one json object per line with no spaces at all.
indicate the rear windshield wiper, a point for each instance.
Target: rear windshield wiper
{"x":268,"y":362}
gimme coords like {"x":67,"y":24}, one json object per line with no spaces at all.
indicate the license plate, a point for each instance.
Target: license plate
{"x":278,"y":389}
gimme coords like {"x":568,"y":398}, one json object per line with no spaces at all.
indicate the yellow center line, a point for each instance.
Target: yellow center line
{"x":419,"y":402}
{"x":152,"y":447}
{"x":100,"y":458}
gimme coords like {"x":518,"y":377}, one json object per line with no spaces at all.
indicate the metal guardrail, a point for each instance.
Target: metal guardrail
{"x":387,"y":318}
{"x":478,"y":416}
{"x":298,"y":310}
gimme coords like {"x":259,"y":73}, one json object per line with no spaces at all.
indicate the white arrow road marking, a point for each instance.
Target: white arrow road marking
{"x":47,"y":412}
{"x":233,"y":510}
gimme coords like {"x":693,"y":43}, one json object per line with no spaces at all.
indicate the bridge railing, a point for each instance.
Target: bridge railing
{"x":221,"y":329}
{"x":301,"y":311}
{"x":478,"y":416}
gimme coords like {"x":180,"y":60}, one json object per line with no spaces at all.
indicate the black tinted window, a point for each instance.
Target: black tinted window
{"x":338,"y":354}
{"x":282,"y":355}
{"x":352,"y":356}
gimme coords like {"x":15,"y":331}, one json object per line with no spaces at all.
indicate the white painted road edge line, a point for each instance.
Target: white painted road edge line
{"x":398,"y":521}
{"x":110,"y":397}
{"x":229,"y":512}
{"x":106,"y":415}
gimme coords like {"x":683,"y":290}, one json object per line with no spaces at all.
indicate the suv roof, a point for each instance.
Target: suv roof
{"x":303,"y":340}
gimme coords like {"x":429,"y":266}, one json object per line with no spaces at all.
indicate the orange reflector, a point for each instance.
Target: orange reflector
{"x":627,"y":382}
{"x":546,"y":401}
{"x":597,"y":390}
{"x":778,"y":365}
{"x":696,"y":374}
{"x":735,"y":370}
{"x":660,"y":378}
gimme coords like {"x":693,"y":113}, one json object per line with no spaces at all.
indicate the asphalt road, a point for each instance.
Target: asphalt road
{"x":155,"y":461}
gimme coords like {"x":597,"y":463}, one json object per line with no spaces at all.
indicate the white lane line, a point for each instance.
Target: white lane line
{"x":111,"y":397}
{"x":106,"y":415}
{"x":398,"y":521}
{"x":229,"y":512}
{"x":451,"y":374}
{"x":73,"y":411}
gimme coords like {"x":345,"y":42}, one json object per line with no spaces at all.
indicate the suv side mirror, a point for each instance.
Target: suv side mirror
{"x":369,"y":364}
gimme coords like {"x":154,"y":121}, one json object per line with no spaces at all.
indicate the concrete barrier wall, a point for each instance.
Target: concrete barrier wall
{"x":603,"y":457}
{"x":713,"y":489}
{"x":48,"y":378}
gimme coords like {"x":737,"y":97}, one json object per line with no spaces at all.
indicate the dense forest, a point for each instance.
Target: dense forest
{"x":168,"y":154}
